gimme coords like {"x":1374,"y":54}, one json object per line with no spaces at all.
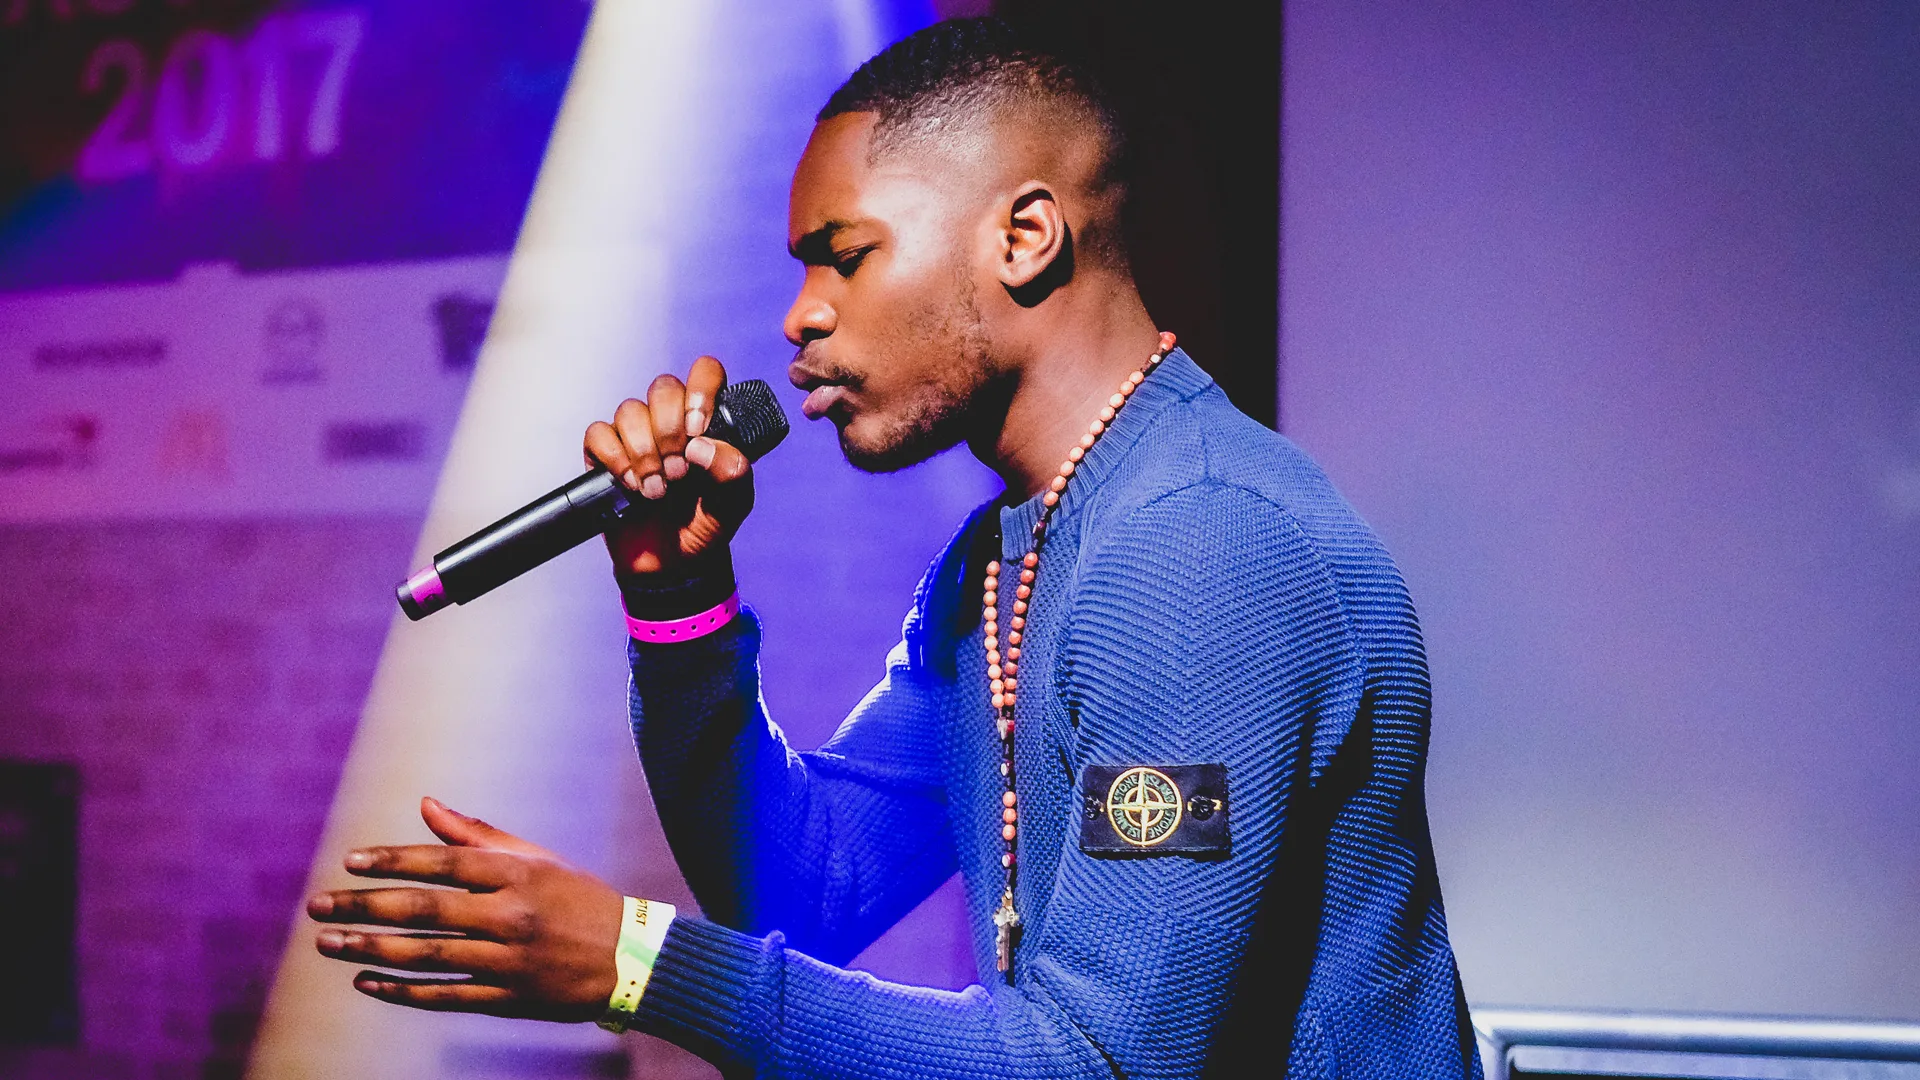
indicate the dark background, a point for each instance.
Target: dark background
{"x":1199,"y":86}
{"x":39,"y":882}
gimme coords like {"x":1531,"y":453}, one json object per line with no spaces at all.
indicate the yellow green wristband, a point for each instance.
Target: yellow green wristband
{"x":643,"y":926}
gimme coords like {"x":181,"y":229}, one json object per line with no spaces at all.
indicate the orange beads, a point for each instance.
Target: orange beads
{"x":1003,"y":666}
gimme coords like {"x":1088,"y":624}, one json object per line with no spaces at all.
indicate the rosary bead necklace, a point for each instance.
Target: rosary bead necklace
{"x":1003,"y":665}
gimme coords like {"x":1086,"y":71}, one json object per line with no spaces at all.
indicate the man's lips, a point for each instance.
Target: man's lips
{"x":821,"y":399}
{"x":823,"y":390}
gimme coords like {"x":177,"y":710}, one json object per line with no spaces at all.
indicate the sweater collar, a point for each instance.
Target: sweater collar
{"x":1177,"y":379}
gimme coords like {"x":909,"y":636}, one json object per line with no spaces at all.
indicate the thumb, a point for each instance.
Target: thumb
{"x":729,"y":496}
{"x":459,"y":830}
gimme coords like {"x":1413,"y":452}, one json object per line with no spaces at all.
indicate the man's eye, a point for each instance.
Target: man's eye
{"x":846,"y":264}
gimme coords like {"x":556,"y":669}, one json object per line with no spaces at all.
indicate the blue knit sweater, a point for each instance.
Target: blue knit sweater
{"x":1205,"y":596}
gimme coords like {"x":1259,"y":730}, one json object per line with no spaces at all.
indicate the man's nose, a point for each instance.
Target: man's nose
{"x":808,"y":319}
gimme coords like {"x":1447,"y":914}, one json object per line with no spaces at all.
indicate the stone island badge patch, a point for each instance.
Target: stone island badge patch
{"x":1154,"y":809}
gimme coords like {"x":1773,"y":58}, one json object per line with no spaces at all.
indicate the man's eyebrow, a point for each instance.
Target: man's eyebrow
{"x":816,"y":247}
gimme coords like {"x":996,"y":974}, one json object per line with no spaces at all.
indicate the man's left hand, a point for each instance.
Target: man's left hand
{"x":532,"y":936}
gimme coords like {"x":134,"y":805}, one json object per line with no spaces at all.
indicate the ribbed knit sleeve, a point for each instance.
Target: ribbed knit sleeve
{"x":1200,"y":627}
{"x":831,"y":847}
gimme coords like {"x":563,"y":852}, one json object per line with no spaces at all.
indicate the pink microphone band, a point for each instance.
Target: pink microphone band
{"x":688,"y":628}
{"x":427,"y":590}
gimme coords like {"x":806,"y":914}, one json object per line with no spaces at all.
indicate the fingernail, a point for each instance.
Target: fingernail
{"x":631,"y":479}
{"x":358,"y":860}
{"x":653,"y":487}
{"x":320,"y":905}
{"x":696,"y":416}
{"x":674,"y":466}
{"x":331,"y":941}
{"x":700,"y":452}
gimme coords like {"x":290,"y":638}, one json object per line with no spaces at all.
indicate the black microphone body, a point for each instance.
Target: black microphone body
{"x":745,"y":415}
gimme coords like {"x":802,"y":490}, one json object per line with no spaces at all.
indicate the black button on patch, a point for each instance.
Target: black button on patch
{"x":1201,"y":805}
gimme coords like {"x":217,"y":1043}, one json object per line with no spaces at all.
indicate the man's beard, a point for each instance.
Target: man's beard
{"x":940,"y":418}
{"x":933,"y":426}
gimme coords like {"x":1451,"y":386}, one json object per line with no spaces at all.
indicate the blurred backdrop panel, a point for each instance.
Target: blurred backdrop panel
{"x":1608,"y":317}
{"x":248,"y":253}
{"x":146,"y":135}
{"x":248,"y":249}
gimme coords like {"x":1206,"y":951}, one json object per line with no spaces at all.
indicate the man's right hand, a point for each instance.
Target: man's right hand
{"x":700,"y":489}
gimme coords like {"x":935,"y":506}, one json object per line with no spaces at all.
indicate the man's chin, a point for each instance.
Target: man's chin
{"x":890,"y":455}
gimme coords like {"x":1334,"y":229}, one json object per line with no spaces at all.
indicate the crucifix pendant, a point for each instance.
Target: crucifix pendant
{"x":1004,"y":922}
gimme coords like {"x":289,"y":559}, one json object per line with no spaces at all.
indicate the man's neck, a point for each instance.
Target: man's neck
{"x":1061,"y":388}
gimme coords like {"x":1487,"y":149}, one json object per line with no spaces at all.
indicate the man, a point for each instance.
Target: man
{"x":1163,"y":705}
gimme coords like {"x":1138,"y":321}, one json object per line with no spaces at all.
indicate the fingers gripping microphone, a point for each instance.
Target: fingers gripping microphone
{"x":745,"y":415}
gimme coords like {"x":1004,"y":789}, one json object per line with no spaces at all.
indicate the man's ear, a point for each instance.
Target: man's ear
{"x":1034,"y":238}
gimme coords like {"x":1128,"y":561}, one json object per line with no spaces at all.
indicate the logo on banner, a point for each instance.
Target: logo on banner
{"x":463,"y":324}
{"x":66,"y":442}
{"x":107,"y":353}
{"x":292,"y":337}
{"x":358,"y":441}
{"x":195,"y":443}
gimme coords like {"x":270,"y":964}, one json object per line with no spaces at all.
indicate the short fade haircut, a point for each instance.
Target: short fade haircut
{"x":962,"y":67}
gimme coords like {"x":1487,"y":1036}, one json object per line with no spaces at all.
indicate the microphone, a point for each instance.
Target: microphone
{"x":745,"y":415}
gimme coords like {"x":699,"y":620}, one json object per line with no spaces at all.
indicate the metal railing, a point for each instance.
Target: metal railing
{"x":1567,"y":1043}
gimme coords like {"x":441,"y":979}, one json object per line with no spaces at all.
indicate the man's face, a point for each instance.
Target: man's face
{"x":892,"y":345}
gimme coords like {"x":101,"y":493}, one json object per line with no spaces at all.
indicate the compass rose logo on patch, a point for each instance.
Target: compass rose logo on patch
{"x":1144,"y":806}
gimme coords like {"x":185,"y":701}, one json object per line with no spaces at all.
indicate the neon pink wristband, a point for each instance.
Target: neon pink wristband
{"x":688,"y":628}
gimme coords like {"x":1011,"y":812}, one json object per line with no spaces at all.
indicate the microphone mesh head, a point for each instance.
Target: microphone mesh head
{"x":748,"y":416}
